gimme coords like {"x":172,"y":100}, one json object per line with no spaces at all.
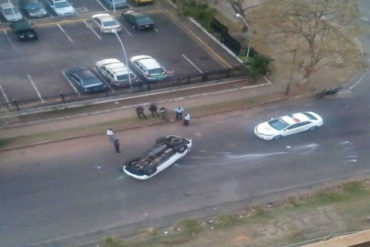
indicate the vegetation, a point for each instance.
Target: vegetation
{"x":296,"y":219}
{"x":320,"y":33}
{"x":199,"y":10}
{"x":257,"y":65}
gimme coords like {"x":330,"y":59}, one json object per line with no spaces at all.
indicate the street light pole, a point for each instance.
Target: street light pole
{"x":238,"y":15}
{"x":124,"y":54}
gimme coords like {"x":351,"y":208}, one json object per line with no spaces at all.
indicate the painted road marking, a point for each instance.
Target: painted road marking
{"x":4,"y":95}
{"x":9,"y":40}
{"x":156,"y":30}
{"x":102,"y":5}
{"x":357,"y":82}
{"x":34,"y":87}
{"x":126,"y":30}
{"x":70,"y":83}
{"x":196,"y":67}
{"x":66,"y":34}
{"x":92,"y":29}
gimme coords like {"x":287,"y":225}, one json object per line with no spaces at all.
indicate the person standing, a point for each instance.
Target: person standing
{"x":187,"y":119}
{"x":140,"y":112}
{"x":163,"y":112}
{"x":111,"y":135}
{"x":153,"y":110}
{"x":179,"y":111}
{"x":116,"y":145}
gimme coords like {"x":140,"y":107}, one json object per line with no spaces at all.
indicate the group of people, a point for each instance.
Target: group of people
{"x":179,"y":111}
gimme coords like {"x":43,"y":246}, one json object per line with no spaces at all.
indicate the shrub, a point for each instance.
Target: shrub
{"x":112,"y":242}
{"x":198,"y":10}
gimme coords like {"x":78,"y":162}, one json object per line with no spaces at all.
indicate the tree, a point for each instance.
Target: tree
{"x":321,"y":31}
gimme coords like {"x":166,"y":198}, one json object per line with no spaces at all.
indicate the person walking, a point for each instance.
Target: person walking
{"x":179,"y":111}
{"x":153,"y":110}
{"x":187,"y":119}
{"x":116,"y":145}
{"x":163,"y":112}
{"x":140,"y":112}
{"x":111,"y":135}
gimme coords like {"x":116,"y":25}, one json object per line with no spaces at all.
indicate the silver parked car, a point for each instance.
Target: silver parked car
{"x":10,"y":13}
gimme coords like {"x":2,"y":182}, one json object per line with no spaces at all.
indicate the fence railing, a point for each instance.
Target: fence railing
{"x":172,"y":81}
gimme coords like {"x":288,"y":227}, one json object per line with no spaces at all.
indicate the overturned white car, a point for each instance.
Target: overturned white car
{"x":166,"y":152}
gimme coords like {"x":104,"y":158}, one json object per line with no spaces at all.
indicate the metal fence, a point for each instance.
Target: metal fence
{"x":172,"y":81}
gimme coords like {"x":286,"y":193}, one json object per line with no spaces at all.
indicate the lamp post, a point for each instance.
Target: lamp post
{"x":238,"y":15}
{"x":114,"y":6}
{"x":124,"y":54}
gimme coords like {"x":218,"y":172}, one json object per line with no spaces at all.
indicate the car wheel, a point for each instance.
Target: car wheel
{"x":313,"y":128}
{"x":276,"y":137}
{"x":175,"y":140}
{"x":161,"y":140}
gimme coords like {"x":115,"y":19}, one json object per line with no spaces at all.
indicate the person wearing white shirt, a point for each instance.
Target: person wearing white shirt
{"x":187,"y":119}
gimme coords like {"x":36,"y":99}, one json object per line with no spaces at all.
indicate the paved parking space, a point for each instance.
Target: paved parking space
{"x":34,"y":70}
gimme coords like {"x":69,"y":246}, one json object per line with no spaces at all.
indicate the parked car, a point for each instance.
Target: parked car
{"x":85,"y":80}
{"x":116,"y":3}
{"x":9,"y":12}
{"x":106,"y":23}
{"x":116,"y":73}
{"x":33,"y":8}
{"x":143,"y":1}
{"x":23,"y":30}
{"x":166,"y":152}
{"x":61,"y":7}
{"x":138,"y":20}
{"x":288,"y":125}
{"x":148,"y":68}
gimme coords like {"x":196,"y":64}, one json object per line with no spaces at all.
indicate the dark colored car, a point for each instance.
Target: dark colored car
{"x":33,"y":8}
{"x":23,"y":30}
{"x":85,"y":80}
{"x":138,"y":20}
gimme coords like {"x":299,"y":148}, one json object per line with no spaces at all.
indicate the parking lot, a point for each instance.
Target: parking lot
{"x":34,"y":70}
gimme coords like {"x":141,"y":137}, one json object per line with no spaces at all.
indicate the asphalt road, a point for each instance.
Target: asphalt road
{"x":72,"y":188}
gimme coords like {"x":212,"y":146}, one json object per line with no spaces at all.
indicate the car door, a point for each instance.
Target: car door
{"x":297,"y":127}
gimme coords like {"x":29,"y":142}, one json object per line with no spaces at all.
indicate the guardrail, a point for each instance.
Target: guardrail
{"x":172,"y":81}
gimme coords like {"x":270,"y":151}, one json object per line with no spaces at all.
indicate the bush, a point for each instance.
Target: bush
{"x":112,"y":242}
{"x":199,"y":11}
{"x":257,"y":65}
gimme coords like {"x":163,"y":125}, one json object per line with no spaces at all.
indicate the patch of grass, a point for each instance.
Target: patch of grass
{"x":226,"y":221}
{"x":5,"y":141}
{"x":189,"y":226}
{"x":112,"y":242}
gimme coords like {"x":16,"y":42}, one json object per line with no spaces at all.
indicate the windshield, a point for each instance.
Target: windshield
{"x":156,"y":71}
{"x":278,"y":124}
{"x":62,"y":4}
{"x":125,"y":77}
{"x":110,"y":23}
{"x":34,"y":5}
{"x":143,"y":20}
{"x":10,"y":11}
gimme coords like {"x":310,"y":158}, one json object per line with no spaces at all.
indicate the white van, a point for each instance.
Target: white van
{"x":116,"y":73}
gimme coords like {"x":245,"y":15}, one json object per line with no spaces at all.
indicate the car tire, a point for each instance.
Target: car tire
{"x":276,"y":137}
{"x":161,"y":140}
{"x":175,"y":140}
